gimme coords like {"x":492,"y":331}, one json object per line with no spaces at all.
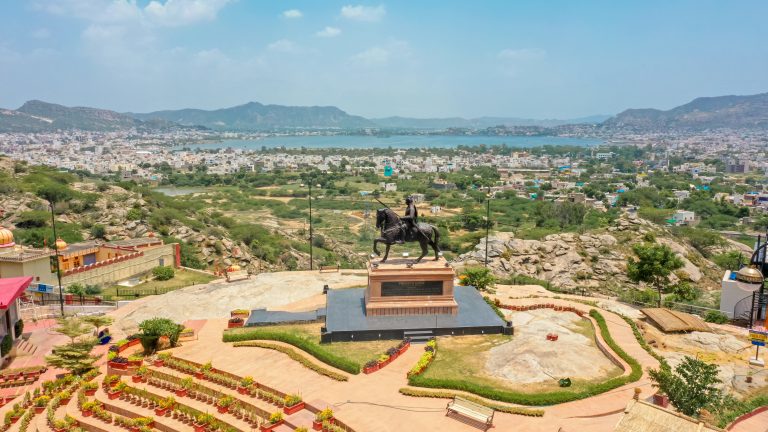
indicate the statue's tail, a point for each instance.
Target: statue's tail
{"x":437,"y":237}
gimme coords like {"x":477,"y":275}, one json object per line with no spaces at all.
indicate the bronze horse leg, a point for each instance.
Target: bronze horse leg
{"x":386,"y":252}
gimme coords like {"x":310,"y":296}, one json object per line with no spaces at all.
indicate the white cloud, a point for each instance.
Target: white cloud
{"x":523,"y":54}
{"x":363,"y":13}
{"x":282,"y":45}
{"x":168,"y":13}
{"x":329,"y":32}
{"x":373,"y":56}
{"x":41,"y":33}
{"x":183,"y":12}
{"x":292,"y":13}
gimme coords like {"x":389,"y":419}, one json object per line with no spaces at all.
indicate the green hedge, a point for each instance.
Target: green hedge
{"x":738,"y":409}
{"x":450,"y":395}
{"x":540,"y":399}
{"x":308,"y":346}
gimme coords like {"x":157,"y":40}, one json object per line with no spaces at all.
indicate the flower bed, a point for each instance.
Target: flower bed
{"x":426,"y":359}
{"x":386,"y":358}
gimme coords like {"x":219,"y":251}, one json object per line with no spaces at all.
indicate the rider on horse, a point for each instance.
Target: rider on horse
{"x":409,"y":220}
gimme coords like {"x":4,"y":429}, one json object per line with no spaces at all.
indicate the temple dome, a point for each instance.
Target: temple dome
{"x":61,"y":244}
{"x":233,"y":268}
{"x":750,"y":275}
{"x":6,"y":238}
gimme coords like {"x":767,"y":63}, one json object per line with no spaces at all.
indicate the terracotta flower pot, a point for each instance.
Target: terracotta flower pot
{"x":294,"y":409}
{"x":91,"y":392}
{"x":181,"y":392}
{"x":222,"y":410}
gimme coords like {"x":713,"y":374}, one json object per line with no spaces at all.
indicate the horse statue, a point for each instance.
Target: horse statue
{"x":389,"y":224}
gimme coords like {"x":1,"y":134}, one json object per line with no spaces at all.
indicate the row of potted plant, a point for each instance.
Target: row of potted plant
{"x":116,"y":361}
{"x":430,"y":350}
{"x":235,"y":322}
{"x":322,"y":417}
{"x":386,"y":358}
{"x":556,"y":307}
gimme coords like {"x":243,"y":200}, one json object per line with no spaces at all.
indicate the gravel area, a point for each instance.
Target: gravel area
{"x":218,"y":298}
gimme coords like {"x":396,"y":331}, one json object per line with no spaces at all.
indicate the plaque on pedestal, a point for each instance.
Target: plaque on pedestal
{"x":400,"y":287}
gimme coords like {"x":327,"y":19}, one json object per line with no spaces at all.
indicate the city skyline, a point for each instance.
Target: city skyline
{"x":381,"y":59}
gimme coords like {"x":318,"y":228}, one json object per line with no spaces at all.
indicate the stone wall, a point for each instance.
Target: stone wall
{"x":121,"y":270}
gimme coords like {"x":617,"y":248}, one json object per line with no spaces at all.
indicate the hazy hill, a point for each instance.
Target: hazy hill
{"x":39,"y":116}
{"x":735,"y":112}
{"x":255,"y":116}
{"x":477,"y":123}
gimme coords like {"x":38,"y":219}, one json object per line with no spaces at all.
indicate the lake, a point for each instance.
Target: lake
{"x":399,"y":141}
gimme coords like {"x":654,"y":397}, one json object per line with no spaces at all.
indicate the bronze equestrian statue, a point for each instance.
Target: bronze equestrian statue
{"x":398,"y":230}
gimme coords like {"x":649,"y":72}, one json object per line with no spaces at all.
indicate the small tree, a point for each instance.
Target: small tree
{"x":98,"y":231}
{"x":77,"y":289}
{"x":72,"y":327}
{"x":163,"y":273}
{"x":478,"y":277}
{"x":74,"y":356}
{"x":98,"y":321}
{"x":154,"y":328}
{"x":691,"y":386}
{"x":654,"y":265}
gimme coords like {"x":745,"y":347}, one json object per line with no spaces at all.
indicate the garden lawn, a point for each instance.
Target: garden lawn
{"x":182,"y":279}
{"x":357,"y":352}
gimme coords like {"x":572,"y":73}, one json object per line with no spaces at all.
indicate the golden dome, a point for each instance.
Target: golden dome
{"x":750,"y":275}
{"x":233,"y":268}
{"x":61,"y":244}
{"x":6,"y":238}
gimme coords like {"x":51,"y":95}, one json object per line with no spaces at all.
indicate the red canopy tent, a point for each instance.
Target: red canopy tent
{"x":11,"y":289}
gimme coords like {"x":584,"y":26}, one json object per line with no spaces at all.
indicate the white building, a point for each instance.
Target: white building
{"x":684,"y":217}
{"x":737,"y":289}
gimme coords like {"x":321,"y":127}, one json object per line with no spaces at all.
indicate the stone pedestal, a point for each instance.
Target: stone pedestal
{"x":399,"y":287}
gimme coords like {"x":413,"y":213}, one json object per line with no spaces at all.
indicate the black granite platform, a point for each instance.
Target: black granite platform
{"x":262,"y":317}
{"x":346,"y":319}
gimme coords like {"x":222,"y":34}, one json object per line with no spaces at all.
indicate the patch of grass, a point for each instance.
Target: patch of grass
{"x":347,"y":356}
{"x":294,"y":355}
{"x":182,"y":279}
{"x":433,"y":378}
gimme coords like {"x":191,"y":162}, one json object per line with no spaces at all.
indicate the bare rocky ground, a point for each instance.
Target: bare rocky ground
{"x":218,"y":298}
{"x":529,"y":358}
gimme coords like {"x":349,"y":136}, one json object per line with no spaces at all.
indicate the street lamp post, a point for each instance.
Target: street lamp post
{"x":56,"y":252}
{"x":487,"y":224}
{"x":311,"y":233}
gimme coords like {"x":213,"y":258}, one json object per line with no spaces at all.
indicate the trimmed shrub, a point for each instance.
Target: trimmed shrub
{"x":163,"y":273}
{"x":716,"y":317}
{"x":310,"y":347}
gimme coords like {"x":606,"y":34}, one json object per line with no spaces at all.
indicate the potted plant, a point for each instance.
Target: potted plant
{"x":371,"y":367}
{"x":320,"y":417}
{"x":185,"y":385}
{"x":235,"y":322}
{"x":14,"y":415}
{"x":40,"y":403}
{"x":140,"y":374}
{"x":203,"y":370}
{"x":64,"y":397}
{"x":116,"y":361}
{"x":116,"y":391}
{"x":135,"y":360}
{"x":383,"y":360}
{"x":240,"y":313}
{"x":159,"y":361}
{"x":111,"y":380}
{"x":293,"y":404}
{"x":87,"y":408}
{"x":202,"y":421}
{"x":275,"y":419}
{"x":90,"y":388}
{"x":224,"y":403}
{"x":164,"y":405}
{"x":245,"y":384}
{"x":393,"y":353}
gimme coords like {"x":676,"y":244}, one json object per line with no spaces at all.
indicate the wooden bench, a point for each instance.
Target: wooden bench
{"x":472,"y":410}
{"x":334,"y":268}
{"x":237,"y":275}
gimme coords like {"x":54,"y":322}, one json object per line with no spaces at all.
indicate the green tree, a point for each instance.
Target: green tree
{"x":478,"y":277}
{"x":98,"y":231}
{"x":654,"y":265}
{"x":77,"y":289}
{"x":98,"y":321}
{"x":163,"y":273}
{"x":691,"y":386}
{"x":74,"y":356}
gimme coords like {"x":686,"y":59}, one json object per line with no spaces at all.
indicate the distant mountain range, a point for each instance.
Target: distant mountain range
{"x":737,"y":112}
{"x":39,"y":116}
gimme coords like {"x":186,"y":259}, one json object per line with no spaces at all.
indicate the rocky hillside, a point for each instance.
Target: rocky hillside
{"x":597,"y":260}
{"x":702,"y":113}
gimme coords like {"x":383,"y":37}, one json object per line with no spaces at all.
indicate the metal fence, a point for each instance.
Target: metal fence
{"x":124,"y":292}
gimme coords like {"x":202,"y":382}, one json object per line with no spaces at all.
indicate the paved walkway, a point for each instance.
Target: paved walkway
{"x":757,"y":423}
{"x":373,"y":403}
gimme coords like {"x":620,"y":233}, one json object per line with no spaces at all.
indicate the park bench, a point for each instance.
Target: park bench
{"x":471,"y":410}
{"x":334,"y":268}
{"x":237,"y":275}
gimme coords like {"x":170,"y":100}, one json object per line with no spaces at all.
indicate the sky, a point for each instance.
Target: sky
{"x":512,"y":58}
